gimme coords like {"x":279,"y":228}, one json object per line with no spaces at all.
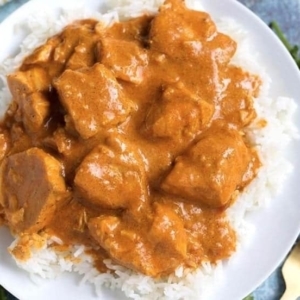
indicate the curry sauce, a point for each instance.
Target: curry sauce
{"x":129,"y":139}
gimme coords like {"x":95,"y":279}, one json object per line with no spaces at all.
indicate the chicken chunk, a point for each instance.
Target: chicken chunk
{"x":212,"y":170}
{"x":23,"y":83}
{"x":35,"y":111}
{"x":127,"y":60}
{"x":42,"y":54}
{"x":75,"y":35}
{"x":93,"y":99}
{"x":112,"y":176}
{"x":175,"y":28}
{"x":28,"y":89}
{"x":131,"y":247}
{"x":81,"y":56}
{"x":74,"y":48}
{"x":31,"y":188}
{"x":180,"y":115}
{"x":84,"y":54}
{"x":124,"y":245}
{"x":167,"y":231}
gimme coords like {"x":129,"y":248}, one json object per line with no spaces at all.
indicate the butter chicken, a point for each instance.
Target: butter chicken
{"x":129,"y":139}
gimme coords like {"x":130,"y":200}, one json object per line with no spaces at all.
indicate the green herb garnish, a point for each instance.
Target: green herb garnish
{"x":250,"y":297}
{"x":2,"y":294}
{"x":293,"y":49}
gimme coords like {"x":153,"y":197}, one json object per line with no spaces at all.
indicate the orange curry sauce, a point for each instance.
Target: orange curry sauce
{"x":129,"y":140}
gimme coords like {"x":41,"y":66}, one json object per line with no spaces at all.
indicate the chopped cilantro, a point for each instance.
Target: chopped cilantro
{"x":293,"y":49}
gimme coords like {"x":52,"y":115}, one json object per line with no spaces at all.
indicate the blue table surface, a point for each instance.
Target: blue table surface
{"x":287,"y":14}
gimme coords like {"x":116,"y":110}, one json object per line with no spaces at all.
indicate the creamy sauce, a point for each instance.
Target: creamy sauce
{"x":129,"y":140}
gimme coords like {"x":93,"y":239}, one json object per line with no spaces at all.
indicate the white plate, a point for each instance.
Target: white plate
{"x":278,"y":225}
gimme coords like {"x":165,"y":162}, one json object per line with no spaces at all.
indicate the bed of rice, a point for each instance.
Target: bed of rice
{"x":270,"y":141}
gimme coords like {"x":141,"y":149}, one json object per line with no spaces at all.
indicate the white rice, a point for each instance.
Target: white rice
{"x":183,"y":284}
